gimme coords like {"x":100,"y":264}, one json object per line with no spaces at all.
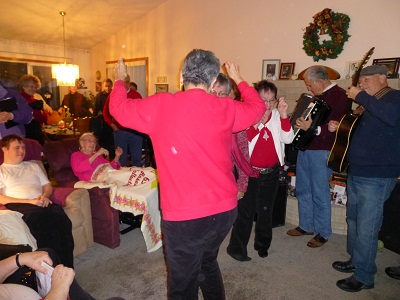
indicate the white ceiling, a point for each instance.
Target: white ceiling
{"x":87,"y":23}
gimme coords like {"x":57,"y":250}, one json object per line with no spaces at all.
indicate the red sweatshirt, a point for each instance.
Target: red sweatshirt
{"x":191,"y":133}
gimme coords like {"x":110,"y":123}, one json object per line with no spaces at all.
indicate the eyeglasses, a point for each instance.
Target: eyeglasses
{"x":272,"y":101}
{"x":219,"y":94}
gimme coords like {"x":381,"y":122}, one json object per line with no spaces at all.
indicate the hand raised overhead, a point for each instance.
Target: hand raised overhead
{"x":233,"y":72}
{"x":120,"y":70}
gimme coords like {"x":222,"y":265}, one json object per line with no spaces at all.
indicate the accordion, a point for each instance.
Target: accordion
{"x":307,"y":106}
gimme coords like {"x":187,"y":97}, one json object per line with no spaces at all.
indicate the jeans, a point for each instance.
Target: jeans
{"x":259,"y":198}
{"x":313,"y":192}
{"x":131,"y":143}
{"x":191,"y":249}
{"x":366,"y":197}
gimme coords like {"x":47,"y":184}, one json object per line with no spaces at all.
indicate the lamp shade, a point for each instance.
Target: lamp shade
{"x":66,"y":74}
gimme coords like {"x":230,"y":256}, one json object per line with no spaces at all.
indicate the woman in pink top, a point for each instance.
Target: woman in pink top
{"x":85,"y":161}
{"x":191,"y":132}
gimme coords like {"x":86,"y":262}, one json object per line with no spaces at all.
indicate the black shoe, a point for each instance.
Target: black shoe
{"x":393,"y":272}
{"x":352,"y":285}
{"x":343,"y":266}
{"x":263,"y":254}
{"x":238,"y":257}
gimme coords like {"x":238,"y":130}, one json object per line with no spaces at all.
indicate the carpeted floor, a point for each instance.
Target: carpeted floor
{"x":291,"y":271}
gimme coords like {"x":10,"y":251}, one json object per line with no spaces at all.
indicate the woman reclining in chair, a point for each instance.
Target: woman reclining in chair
{"x":85,"y":161}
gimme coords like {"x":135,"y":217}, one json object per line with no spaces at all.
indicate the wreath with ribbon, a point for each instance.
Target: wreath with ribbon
{"x":326,"y":22}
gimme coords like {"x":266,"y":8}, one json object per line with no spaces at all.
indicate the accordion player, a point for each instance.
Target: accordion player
{"x":308,"y":106}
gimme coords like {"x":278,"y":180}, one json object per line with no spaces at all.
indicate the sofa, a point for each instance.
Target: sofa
{"x":105,"y":219}
{"x":76,"y":202}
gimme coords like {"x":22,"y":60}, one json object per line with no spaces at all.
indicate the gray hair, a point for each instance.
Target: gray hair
{"x":200,"y":67}
{"x":316,"y":72}
{"x":85,"y":135}
{"x":224,"y":80}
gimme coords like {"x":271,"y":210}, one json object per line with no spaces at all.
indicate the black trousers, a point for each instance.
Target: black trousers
{"x":259,"y":198}
{"x":191,"y":249}
{"x":51,"y":228}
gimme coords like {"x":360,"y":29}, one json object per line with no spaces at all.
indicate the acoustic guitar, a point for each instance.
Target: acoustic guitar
{"x":347,"y":125}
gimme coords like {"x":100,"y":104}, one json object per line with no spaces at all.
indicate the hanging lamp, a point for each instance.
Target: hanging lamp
{"x":66,"y":74}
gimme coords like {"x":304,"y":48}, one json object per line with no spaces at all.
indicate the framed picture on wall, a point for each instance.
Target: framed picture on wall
{"x":392,"y":65}
{"x":352,"y":67}
{"x":287,"y":70}
{"x":160,"y":88}
{"x":98,"y":86}
{"x":270,"y":69}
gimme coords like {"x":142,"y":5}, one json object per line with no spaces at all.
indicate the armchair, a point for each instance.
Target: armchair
{"x":76,"y":203}
{"x":105,"y":219}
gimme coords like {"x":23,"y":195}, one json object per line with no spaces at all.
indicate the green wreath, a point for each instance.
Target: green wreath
{"x":326,"y":22}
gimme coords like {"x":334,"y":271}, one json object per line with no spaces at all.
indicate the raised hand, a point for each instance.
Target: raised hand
{"x":120,"y":70}
{"x":352,"y":92}
{"x":118,"y":151}
{"x":233,"y":72}
{"x":282,"y":107}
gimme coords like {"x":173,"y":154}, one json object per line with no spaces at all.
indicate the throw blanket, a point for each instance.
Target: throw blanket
{"x":132,"y":190}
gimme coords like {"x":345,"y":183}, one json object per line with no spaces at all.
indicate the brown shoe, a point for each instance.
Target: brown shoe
{"x":317,"y":241}
{"x":298,"y":232}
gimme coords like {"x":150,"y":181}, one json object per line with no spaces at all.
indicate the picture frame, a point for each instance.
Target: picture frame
{"x":286,"y":70}
{"x":392,"y":65}
{"x":352,"y":67}
{"x":98,"y":86}
{"x":161,"y":88}
{"x":270,"y":69}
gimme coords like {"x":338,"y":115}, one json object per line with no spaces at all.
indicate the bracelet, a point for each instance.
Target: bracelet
{"x":17,"y":260}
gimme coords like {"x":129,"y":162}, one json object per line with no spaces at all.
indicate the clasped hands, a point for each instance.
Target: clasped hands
{"x":42,"y":201}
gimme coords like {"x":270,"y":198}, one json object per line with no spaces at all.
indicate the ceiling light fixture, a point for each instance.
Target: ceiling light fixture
{"x":66,"y":74}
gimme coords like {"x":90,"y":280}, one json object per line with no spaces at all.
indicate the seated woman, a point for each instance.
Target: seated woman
{"x":85,"y":161}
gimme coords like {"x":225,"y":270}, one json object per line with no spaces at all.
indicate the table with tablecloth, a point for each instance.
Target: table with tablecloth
{"x":132,"y":190}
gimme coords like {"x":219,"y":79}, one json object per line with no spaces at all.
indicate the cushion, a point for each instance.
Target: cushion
{"x":58,"y":154}
{"x":13,"y":230}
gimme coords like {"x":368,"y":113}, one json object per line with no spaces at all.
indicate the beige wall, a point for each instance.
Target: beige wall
{"x":242,"y":31}
{"x":248,"y":32}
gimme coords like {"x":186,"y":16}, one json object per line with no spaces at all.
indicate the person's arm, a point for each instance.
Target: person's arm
{"x":24,"y":113}
{"x":7,"y":199}
{"x":107,"y":116}
{"x":243,"y":179}
{"x":115,"y":163}
{"x":100,"y":152}
{"x":251,"y":110}
{"x":44,"y":199}
{"x":32,"y":260}
{"x":386,"y":109}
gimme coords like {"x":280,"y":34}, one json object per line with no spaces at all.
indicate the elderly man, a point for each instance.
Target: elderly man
{"x":25,"y":188}
{"x":312,"y":174}
{"x":192,"y":135}
{"x":374,"y":167}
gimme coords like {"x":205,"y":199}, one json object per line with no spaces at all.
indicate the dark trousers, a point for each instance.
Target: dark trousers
{"x":191,"y":249}
{"x":259,"y":198}
{"x":51,"y":228}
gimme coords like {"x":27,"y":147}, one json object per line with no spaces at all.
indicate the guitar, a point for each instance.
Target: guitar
{"x":337,"y":157}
